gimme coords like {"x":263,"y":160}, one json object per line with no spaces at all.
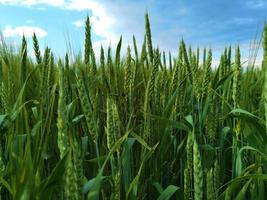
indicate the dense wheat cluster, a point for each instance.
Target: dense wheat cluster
{"x":148,"y":125}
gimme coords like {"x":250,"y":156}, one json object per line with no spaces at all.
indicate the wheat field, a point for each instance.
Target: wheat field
{"x":145,"y":125}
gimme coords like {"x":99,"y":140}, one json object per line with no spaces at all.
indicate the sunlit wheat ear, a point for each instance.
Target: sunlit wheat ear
{"x":88,"y":42}
{"x":50,"y":71}
{"x":71,"y":186}
{"x":36,"y":49}
{"x":93,"y":67}
{"x":62,"y":136}
{"x":207,"y":74}
{"x":4,"y":96}
{"x":187,"y":186}
{"x":109,"y":125}
{"x":198,"y":173}
{"x":128,"y":72}
{"x":23,"y":68}
{"x":153,"y":76}
{"x":237,"y":79}
{"x":157,"y":90}
{"x":44,"y":80}
{"x":189,"y":163}
{"x":113,"y":123}
{"x":147,"y":110}
{"x":79,"y":170}
{"x":210,"y":185}
{"x":187,"y":63}
{"x":117,"y":186}
{"x":112,"y":130}
{"x":211,"y":121}
{"x":175,"y":75}
{"x":149,"y":39}
{"x":149,"y":95}
{"x":110,"y":66}
{"x":86,"y":104}
{"x":45,"y":67}
{"x":116,"y":121}
{"x":103,"y":69}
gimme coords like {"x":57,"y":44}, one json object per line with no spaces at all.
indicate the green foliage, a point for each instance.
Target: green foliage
{"x":141,"y":126}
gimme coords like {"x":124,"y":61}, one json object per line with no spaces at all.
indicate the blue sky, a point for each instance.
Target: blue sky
{"x":205,"y":23}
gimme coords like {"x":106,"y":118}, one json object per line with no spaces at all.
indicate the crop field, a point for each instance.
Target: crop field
{"x":145,"y":125}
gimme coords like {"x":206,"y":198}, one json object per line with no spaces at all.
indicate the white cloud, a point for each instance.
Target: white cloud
{"x":27,"y":31}
{"x":110,"y":19}
{"x":101,"y":19}
{"x":33,"y":2}
{"x":102,"y":22}
{"x":78,"y":23}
